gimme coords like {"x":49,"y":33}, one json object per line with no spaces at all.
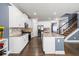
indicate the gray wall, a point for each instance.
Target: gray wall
{"x":70,"y":17}
{"x":4,"y":18}
{"x":78,"y":20}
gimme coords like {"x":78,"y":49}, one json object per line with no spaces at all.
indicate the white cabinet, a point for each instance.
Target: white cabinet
{"x":53,"y":45}
{"x":25,"y":39}
{"x":49,"y":44}
{"x":16,"y":17}
{"x":16,"y":44}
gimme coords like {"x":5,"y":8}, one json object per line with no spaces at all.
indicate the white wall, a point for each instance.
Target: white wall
{"x":34,"y":27}
{"x":47,"y":24}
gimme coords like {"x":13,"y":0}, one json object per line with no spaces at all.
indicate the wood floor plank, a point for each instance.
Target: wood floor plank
{"x":34,"y":48}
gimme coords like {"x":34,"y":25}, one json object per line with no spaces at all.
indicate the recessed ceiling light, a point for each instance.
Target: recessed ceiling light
{"x":34,"y":13}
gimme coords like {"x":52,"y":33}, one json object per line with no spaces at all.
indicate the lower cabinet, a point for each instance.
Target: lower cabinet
{"x":48,"y":44}
{"x":16,"y":44}
{"x":59,"y":44}
{"x":53,"y":45}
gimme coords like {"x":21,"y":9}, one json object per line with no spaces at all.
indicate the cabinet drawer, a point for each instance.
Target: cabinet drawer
{"x":59,"y":44}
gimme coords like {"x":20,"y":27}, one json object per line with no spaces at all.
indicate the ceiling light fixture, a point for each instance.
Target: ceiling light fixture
{"x":34,"y":13}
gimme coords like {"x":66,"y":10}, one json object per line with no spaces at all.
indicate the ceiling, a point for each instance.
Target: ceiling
{"x":47,"y":11}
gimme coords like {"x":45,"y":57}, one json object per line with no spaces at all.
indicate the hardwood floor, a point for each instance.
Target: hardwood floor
{"x":72,"y":49}
{"x":34,"y":48}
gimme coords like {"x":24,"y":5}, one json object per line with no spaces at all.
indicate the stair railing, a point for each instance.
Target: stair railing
{"x":72,"y":20}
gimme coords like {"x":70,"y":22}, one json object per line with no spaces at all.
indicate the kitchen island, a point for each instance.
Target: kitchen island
{"x":53,"y":43}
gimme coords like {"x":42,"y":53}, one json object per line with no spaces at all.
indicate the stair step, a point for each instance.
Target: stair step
{"x":66,"y":33}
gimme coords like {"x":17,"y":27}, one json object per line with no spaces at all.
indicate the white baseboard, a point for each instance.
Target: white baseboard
{"x":47,"y":52}
{"x":55,"y":52}
{"x":13,"y":52}
{"x":59,"y":52}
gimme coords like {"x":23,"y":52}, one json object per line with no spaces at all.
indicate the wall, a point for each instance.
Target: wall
{"x":46,"y":24}
{"x":34,"y":27}
{"x":78,"y":20}
{"x":4,"y":18}
{"x":70,"y":17}
{"x":28,"y":21}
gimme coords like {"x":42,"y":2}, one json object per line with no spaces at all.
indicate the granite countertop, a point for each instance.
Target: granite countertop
{"x":17,"y":35}
{"x":16,"y":32}
{"x":27,"y":30}
{"x":50,"y":34}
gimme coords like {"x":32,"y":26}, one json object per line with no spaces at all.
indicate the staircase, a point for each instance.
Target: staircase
{"x":71,"y":27}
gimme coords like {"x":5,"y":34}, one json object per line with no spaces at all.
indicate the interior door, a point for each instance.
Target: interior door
{"x":54,"y":27}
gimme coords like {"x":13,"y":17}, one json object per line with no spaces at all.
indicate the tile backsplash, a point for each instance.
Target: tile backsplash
{"x":13,"y":31}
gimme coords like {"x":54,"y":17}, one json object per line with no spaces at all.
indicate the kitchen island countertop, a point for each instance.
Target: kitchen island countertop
{"x":50,"y":34}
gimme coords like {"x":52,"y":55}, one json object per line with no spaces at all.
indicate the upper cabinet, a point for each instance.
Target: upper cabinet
{"x":16,"y":17}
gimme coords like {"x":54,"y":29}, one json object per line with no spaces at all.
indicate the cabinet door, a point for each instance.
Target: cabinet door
{"x":48,"y":44}
{"x":11,"y":16}
{"x":59,"y":44}
{"x":15,"y":17}
{"x":11,"y":44}
{"x":25,"y":39}
{"x":15,"y":44}
{"x":21,"y":20}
